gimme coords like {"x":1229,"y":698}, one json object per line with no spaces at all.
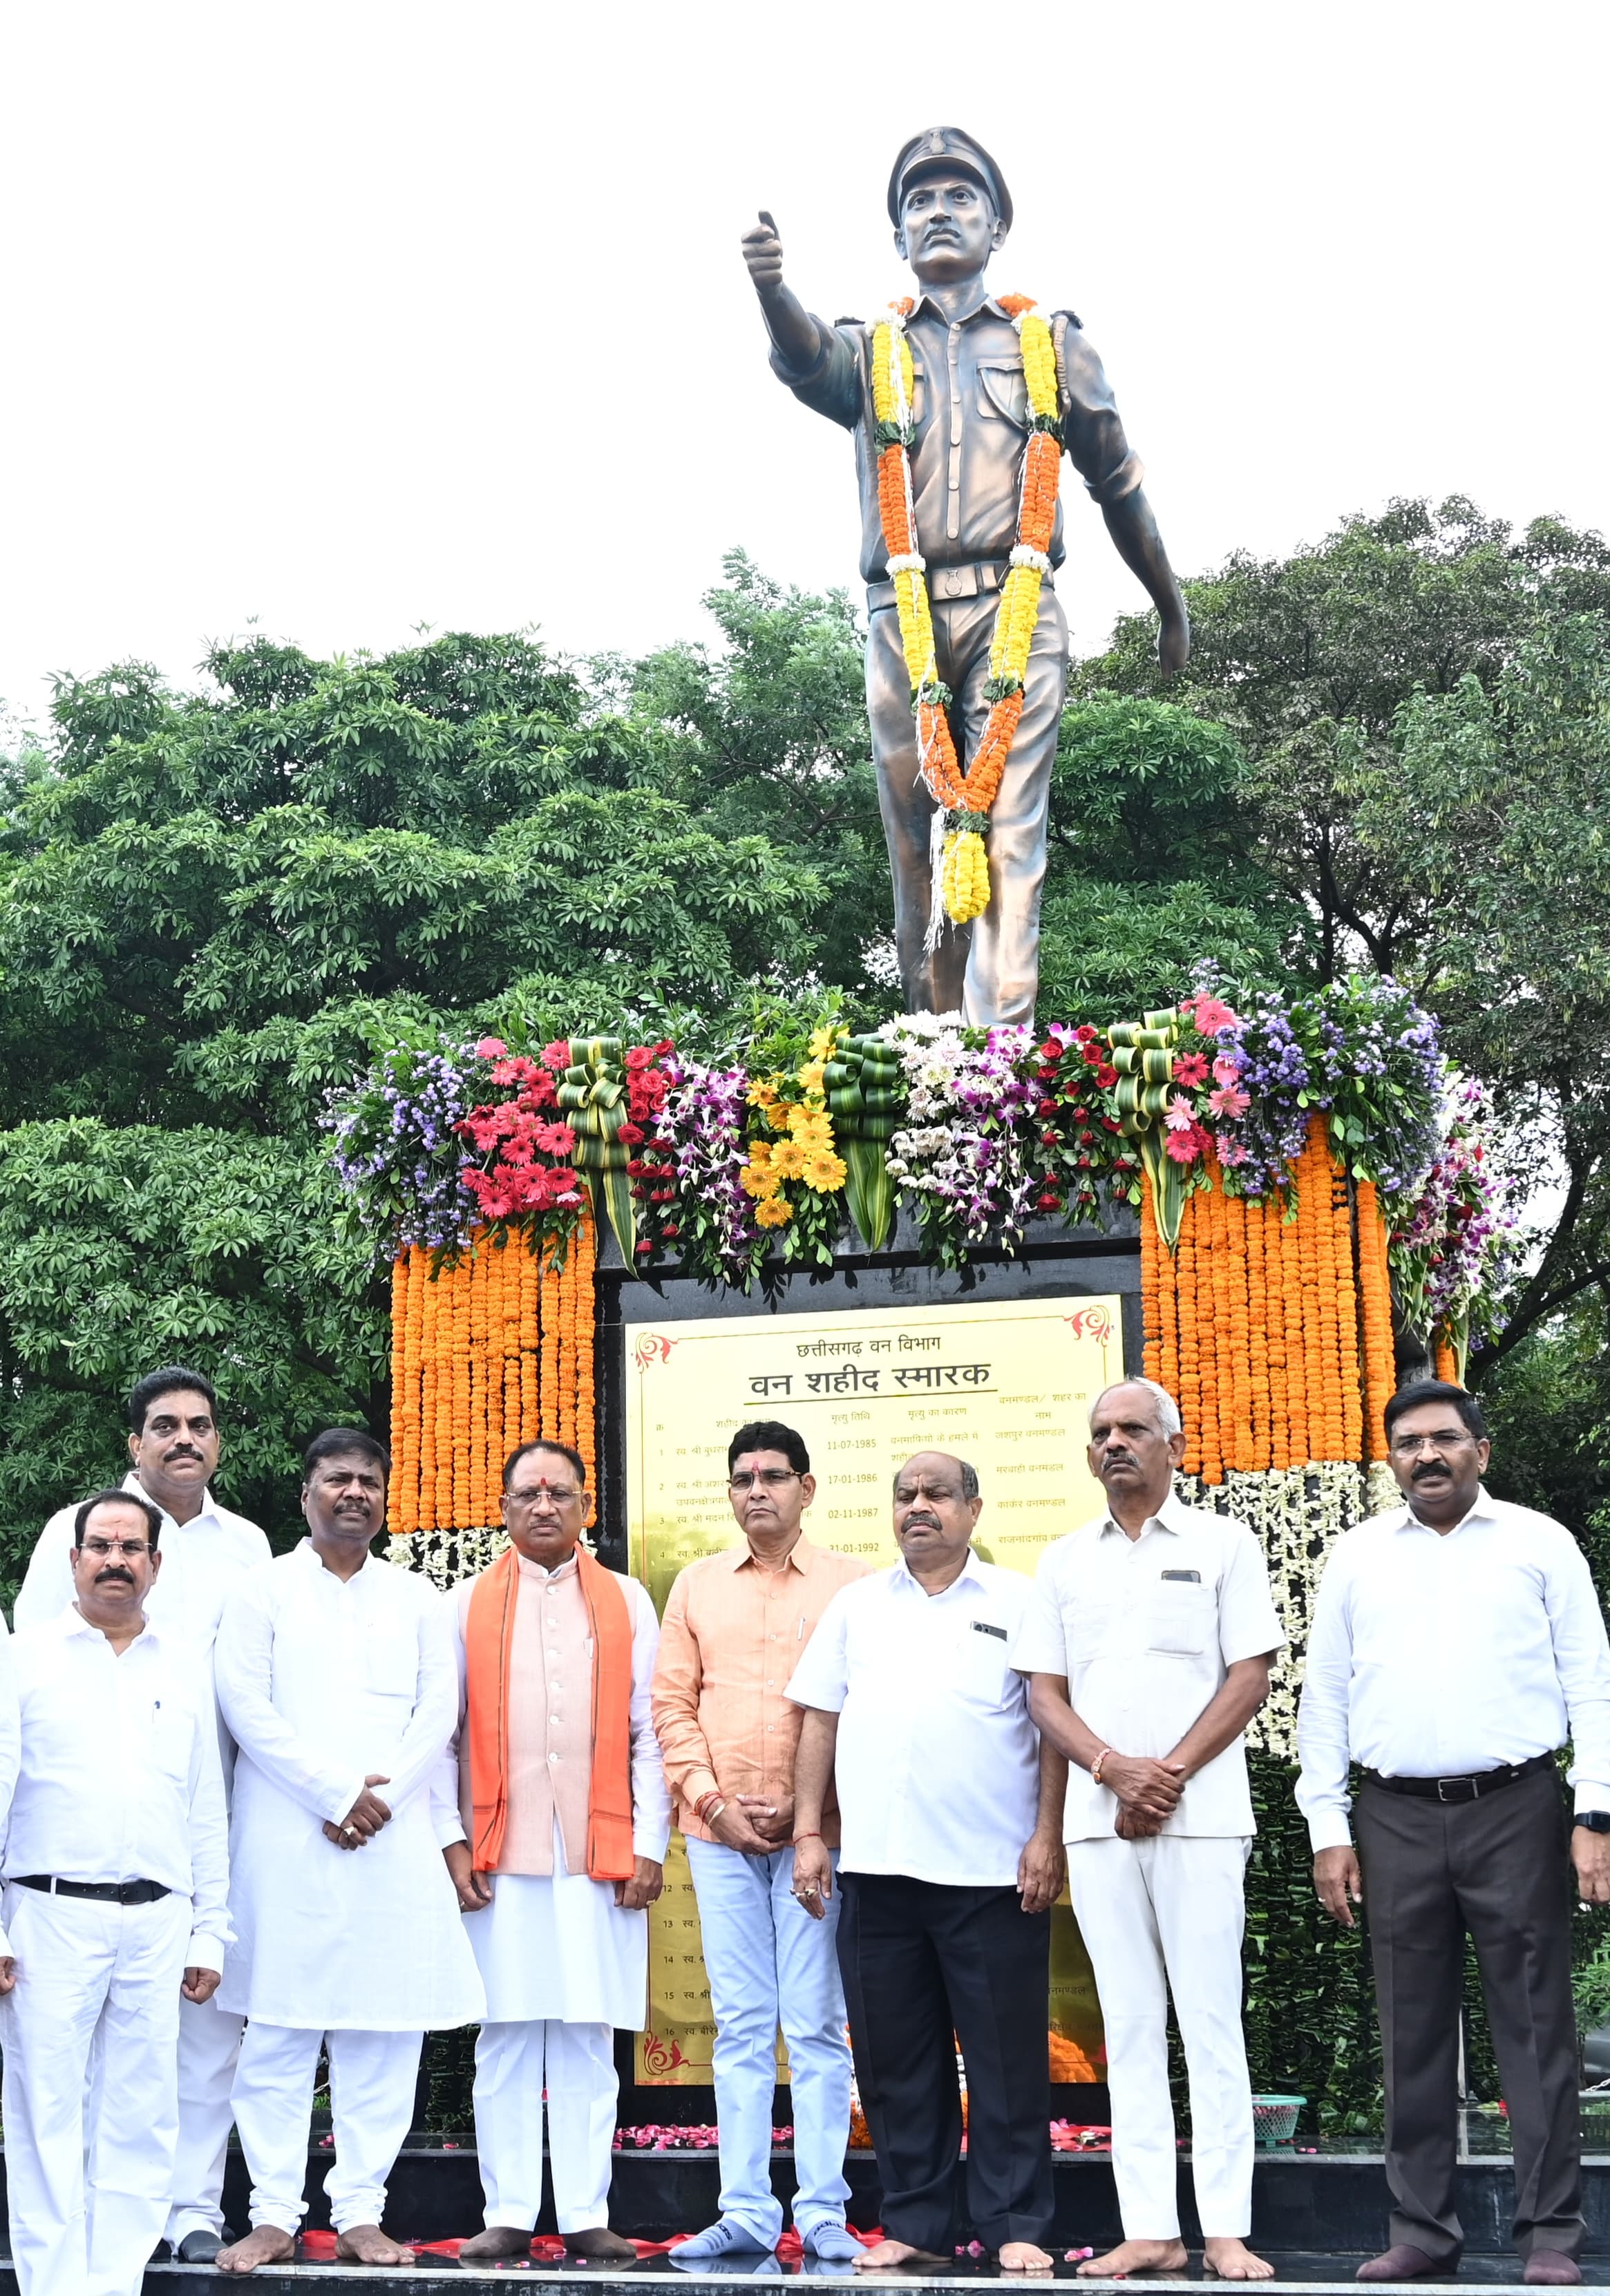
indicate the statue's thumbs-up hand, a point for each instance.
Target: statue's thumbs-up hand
{"x":763,"y":253}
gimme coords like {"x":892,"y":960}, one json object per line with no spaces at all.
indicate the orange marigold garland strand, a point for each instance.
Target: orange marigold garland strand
{"x":496,"y":1315}
{"x":1347,"y":1321}
{"x":1374,"y":1290}
{"x":1150,"y":1321}
{"x":456,"y":1284}
{"x":530,"y":1341}
{"x":399,"y":1379}
{"x":564,"y":1417}
{"x":1190,"y":1360}
{"x":1167,"y":1312}
{"x":1271,"y":1213}
{"x":585,"y":1248}
{"x":1257,"y":1328}
{"x":1236,"y":1274}
{"x":548,"y":1384}
{"x":1294,"y":1314}
{"x":475,"y":1272}
{"x":963,"y":799}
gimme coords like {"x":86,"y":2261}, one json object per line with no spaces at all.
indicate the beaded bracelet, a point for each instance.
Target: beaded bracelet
{"x":1096,"y":1766}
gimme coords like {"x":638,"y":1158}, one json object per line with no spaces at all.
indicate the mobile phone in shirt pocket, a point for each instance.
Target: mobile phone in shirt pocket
{"x":982,"y":1667}
{"x":1180,"y":1618}
{"x":172,"y":1735}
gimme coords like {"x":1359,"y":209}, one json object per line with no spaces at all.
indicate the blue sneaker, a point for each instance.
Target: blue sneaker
{"x":833,"y":2243}
{"x":727,"y":2238}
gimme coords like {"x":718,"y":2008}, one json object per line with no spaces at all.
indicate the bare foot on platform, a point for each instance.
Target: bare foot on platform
{"x":1233,"y":2259}
{"x":367,"y":2244}
{"x":1023,"y":2256}
{"x":1143,"y":2257}
{"x":496,"y":2241}
{"x":890,"y":2253}
{"x":266,"y":2245}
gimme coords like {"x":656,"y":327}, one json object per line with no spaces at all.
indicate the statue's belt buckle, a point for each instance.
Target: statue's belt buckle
{"x":957,"y":581}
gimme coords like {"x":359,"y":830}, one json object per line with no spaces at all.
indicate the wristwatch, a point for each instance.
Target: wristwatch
{"x":1596,"y":1821}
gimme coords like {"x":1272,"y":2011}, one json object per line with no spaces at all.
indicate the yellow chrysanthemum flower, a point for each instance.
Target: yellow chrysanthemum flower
{"x":810,"y":1075}
{"x":788,"y":1160}
{"x":824,"y":1172}
{"x":775,"y":1211}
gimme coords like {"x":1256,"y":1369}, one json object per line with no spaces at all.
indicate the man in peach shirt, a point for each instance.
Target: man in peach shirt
{"x":734,"y":1626}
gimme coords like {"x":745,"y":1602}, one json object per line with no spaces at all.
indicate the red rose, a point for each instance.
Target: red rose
{"x":671,"y":1228}
{"x":630,"y":1135}
{"x":638,"y":1056}
{"x":1106,"y":1076}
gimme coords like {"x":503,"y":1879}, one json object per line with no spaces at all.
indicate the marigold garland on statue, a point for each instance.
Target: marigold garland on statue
{"x":964,"y":797}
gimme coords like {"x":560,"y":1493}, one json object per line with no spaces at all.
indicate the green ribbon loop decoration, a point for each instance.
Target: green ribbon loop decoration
{"x":592,"y":1098}
{"x":1142,"y":1054}
{"x":866,"y":1094}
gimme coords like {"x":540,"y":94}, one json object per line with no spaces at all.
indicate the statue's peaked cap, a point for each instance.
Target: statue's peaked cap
{"x":962,"y":151}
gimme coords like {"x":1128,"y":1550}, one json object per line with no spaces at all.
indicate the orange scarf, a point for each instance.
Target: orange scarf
{"x":489,"y":1645}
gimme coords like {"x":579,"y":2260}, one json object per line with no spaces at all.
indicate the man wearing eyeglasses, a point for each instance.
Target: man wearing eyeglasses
{"x":115,"y":1909}
{"x":1456,"y":1644}
{"x":552,"y":1818}
{"x":735,"y":1625}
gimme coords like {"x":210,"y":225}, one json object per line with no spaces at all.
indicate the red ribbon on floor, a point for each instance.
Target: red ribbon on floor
{"x":548,"y":2248}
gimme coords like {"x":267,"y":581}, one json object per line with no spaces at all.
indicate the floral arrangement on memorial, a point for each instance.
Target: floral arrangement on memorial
{"x":1308,"y":1174}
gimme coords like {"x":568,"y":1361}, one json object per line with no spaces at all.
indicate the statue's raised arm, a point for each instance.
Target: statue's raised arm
{"x":961,"y":403}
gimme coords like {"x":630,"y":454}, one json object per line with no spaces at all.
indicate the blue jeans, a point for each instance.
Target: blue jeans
{"x":769,"y":1963}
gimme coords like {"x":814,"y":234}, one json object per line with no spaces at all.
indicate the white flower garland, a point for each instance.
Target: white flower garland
{"x":1296,"y":1514}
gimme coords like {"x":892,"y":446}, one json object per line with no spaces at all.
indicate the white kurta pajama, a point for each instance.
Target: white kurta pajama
{"x":325,"y":1682}
{"x":120,"y":1783}
{"x":201,"y":1560}
{"x":1144,"y":1630}
{"x":562,"y":1964}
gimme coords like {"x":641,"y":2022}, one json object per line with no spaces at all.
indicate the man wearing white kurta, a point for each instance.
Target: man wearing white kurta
{"x":1149,"y":1642}
{"x":173,"y":1443}
{"x":334,"y":1672}
{"x":116,"y":1889}
{"x":553,"y":1816}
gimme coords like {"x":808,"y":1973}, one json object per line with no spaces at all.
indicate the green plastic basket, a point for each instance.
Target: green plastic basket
{"x":1275,"y":2119}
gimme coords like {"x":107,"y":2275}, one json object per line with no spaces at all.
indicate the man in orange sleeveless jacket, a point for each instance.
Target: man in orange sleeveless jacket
{"x":553,"y":1817}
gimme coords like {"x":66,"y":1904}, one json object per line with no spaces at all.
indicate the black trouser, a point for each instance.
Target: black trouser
{"x":1499,"y":1869}
{"x":923,"y":1962}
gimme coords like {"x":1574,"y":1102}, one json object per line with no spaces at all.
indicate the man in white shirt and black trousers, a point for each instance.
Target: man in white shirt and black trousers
{"x":1457,"y":1643}
{"x":951,"y":1861}
{"x":1149,"y":1644}
{"x":115,"y":1909}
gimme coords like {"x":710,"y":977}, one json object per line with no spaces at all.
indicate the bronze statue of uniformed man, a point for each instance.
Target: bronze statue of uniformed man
{"x":969,"y":429}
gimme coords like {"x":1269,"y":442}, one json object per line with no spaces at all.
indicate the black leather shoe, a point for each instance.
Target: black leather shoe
{"x":200,"y":2246}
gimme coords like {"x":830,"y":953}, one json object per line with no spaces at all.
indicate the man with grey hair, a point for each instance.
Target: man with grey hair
{"x":951,"y":1861}
{"x":1148,"y":1646}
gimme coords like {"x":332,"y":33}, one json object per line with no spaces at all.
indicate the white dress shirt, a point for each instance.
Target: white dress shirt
{"x":1435,"y":1655}
{"x":937,"y":1763}
{"x":201,"y":1559}
{"x":1145,"y":1650}
{"x":324,"y":1681}
{"x":120,"y":1778}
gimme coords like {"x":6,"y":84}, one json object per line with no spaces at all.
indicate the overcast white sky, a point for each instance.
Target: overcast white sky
{"x":343,"y":317}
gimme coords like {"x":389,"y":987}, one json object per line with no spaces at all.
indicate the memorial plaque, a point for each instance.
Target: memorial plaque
{"x":1005,"y":1385}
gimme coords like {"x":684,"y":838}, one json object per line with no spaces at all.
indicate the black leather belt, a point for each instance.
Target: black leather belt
{"x":1467,"y":1788}
{"x":946,"y":583}
{"x":107,"y":1893}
